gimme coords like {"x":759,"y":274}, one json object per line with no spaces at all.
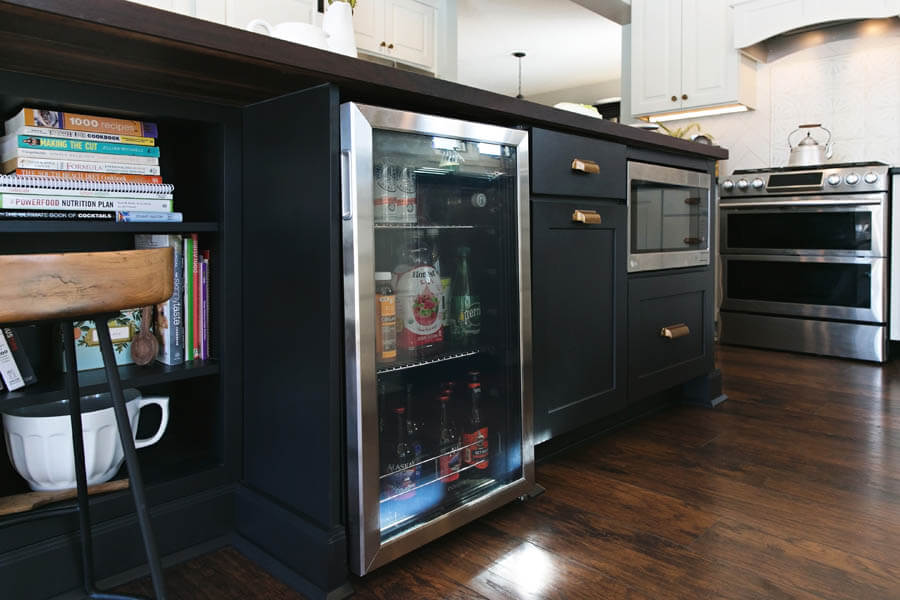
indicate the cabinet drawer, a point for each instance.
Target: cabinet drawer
{"x":669,"y":330}
{"x":552,"y":155}
{"x":578,"y":304}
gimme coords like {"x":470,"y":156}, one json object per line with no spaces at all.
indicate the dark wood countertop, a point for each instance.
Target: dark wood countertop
{"x":127,"y":45}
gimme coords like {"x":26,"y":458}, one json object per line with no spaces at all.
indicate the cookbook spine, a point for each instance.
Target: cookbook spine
{"x":73,"y":145}
{"x":84,"y":135}
{"x":195,"y":257}
{"x":40,"y":202}
{"x":35,"y":117}
{"x":140,"y":216}
{"x":188,"y":297}
{"x":169,"y":325}
{"x":124,"y":159}
{"x":53,"y":164}
{"x":18,"y":214}
{"x":87,"y":176}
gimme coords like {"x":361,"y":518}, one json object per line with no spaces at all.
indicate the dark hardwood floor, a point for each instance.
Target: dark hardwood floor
{"x":790,"y":489}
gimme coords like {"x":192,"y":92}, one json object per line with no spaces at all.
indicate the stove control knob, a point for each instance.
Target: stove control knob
{"x":757,"y":183}
{"x":743,"y":185}
{"x":728,"y":185}
{"x":852,"y":179}
{"x":834,"y":179}
{"x":870,"y":177}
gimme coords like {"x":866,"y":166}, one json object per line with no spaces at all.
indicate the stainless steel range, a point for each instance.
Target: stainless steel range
{"x":804,"y":259}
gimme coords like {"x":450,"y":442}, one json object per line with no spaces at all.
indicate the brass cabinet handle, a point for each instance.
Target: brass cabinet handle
{"x":684,"y":96}
{"x":693,"y":241}
{"x":588,"y":217}
{"x":390,"y":46}
{"x":674,"y":98}
{"x":383,"y":44}
{"x":674,"y":331}
{"x":585,"y":166}
{"x":692,"y":201}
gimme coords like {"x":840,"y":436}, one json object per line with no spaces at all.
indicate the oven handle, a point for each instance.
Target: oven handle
{"x":816,"y":258}
{"x":801,"y":201}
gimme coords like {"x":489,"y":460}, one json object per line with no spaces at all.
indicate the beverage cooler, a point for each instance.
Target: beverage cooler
{"x":438,"y":326}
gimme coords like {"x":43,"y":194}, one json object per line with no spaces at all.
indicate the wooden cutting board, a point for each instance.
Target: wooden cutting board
{"x":29,"y":501}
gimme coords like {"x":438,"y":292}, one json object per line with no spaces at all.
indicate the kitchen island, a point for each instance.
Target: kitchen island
{"x":249,"y":130}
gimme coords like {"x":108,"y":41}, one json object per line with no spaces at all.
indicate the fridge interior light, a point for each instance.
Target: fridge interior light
{"x":440,"y":143}
{"x":489,"y":149}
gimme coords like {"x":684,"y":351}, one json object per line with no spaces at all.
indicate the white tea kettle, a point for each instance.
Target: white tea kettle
{"x":809,"y":151}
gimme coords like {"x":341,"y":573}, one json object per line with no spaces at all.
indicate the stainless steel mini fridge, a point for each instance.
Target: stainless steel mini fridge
{"x":438,"y":326}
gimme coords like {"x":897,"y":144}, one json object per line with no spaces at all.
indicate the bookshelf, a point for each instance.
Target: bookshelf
{"x":189,"y":471}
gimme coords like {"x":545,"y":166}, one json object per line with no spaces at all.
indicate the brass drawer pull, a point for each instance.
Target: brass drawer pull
{"x":693,"y":241}
{"x":674,"y":331}
{"x":692,"y":201}
{"x":588,"y":217}
{"x":585,"y":166}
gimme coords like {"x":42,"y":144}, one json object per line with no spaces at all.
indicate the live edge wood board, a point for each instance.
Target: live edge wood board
{"x":126,"y":45}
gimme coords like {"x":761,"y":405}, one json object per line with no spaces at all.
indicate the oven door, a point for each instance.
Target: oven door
{"x":668,"y":217}
{"x":827,"y":229}
{"x":823,"y":287}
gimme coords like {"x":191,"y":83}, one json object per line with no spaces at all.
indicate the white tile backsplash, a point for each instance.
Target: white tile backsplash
{"x":850,"y":86}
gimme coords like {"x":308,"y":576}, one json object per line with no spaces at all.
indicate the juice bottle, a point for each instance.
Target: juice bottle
{"x":385,"y":319}
{"x":420,"y":331}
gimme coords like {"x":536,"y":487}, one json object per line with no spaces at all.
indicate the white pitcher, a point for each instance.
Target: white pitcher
{"x":338,"y":24}
{"x":297,"y":32}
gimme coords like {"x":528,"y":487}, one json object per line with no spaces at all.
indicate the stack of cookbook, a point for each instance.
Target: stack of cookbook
{"x":65,"y":166}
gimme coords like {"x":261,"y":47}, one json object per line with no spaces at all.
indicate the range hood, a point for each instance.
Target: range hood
{"x":757,"y":22}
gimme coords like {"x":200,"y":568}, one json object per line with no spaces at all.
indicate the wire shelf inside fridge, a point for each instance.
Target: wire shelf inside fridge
{"x":430,"y":361}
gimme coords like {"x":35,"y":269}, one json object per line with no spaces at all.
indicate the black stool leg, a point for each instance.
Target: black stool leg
{"x":131,"y":459}
{"x":84,"y":518}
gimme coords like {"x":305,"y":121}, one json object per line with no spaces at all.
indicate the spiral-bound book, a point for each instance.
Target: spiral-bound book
{"x":57,"y":186}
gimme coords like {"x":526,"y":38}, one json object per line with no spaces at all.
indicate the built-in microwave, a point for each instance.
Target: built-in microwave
{"x":668,"y":217}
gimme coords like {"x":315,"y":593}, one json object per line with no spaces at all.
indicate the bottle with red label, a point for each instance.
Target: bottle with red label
{"x":475,"y":436}
{"x":449,"y":461}
{"x":420,"y":331}
{"x":400,"y":483}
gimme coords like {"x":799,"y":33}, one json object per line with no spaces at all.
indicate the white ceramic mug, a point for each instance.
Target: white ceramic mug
{"x":39,"y":439}
{"x":299,"y":33}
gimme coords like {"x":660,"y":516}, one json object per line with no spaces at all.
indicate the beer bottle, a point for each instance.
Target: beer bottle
{"x":465,"y":308}
{"x":448,"y":464}
{"x":415,"y":430}
{"x":475,"y":437}
{"x":401,"y":480}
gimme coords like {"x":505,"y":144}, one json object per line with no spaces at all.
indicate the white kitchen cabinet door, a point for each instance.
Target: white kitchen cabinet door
{"x":368,"y":23}
{"x":655,"y":56}
{"x":409,"y":27}
{"x":238,"y":13}
{"x":710,"y":63}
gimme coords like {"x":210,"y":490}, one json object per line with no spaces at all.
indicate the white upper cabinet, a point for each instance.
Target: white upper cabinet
{"x":655,"y":56}
{"x":683,"y":57}
{"x":400,"y":30}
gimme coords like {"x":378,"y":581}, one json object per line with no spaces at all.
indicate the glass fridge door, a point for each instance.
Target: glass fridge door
{"x":443,"y":381}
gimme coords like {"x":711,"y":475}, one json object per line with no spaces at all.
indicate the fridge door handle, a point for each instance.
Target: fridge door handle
{"x":348,"y":186}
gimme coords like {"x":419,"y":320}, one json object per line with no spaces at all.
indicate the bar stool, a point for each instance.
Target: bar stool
{"x":96,"y":286}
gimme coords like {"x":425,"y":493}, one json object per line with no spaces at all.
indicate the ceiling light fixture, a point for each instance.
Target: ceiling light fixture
{"x":519,"y":56}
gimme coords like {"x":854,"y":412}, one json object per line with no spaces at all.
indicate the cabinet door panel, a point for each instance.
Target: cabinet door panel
{"x":655,"y":56}
{"x":368,"y":24}
{"x":409,"y":26}
{"x":578,"y":299}
{"x":551,"y":166}
{"x":710,"y":61}
{"x":657,"y":362}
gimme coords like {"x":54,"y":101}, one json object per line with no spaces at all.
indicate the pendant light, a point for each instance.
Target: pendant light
{"x":519,"y":56}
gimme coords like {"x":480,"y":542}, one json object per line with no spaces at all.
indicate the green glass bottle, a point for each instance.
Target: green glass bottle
{"x":465,"y":307}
